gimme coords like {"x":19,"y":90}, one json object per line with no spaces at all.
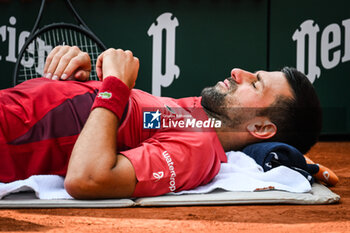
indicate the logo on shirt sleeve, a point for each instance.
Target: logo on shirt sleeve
{"x":151,"y":120}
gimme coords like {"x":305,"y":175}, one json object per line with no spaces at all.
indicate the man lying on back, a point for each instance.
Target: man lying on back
{"x":92,"y":132}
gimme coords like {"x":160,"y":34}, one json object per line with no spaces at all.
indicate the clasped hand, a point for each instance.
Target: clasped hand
{"x":70,"y":63}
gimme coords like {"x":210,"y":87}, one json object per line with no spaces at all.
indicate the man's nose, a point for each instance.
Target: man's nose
{"x":241,"y":76}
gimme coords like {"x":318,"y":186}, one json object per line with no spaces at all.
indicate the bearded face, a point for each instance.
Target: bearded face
{"x":219,"y":102}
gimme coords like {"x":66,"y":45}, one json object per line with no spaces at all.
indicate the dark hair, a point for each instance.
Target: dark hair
{"x":298,"y":119}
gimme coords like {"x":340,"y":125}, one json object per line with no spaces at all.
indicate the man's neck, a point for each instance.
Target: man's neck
{"x":230,"y":139}
{"x":233,"y":140}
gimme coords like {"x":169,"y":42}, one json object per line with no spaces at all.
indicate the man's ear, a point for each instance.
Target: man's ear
{"x":262,"y":128}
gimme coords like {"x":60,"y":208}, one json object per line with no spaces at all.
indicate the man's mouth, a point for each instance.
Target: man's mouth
{"x":227,"y":83}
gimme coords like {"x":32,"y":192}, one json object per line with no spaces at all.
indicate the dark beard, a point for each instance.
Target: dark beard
{"x":213,"y":102}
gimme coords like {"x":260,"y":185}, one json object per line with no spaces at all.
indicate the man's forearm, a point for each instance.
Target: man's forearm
{"x":95,"y":169}
{"x":94,"y":153}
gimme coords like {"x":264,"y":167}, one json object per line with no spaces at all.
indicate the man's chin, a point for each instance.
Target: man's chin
{"x":210,"y":112}
{"x":212,"y":101}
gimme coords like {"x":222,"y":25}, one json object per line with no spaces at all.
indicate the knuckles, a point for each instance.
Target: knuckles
{"x":85,"y":55}
{"x":129,"y":53}
{"x":136,"y":59}
{"x":65,"y":59}
{"x":74,"y":61}
{"x":119,"y":52}
{"x":75,"y":49}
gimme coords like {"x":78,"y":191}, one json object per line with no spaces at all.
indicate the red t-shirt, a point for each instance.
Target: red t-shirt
{"x":172,"y":158}
{"x":41,"y":119}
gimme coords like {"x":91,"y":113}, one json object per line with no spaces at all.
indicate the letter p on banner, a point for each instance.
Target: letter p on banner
{"x":166,"y":23}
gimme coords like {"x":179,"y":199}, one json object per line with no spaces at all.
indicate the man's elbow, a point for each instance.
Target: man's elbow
{"x":99,"y":187}
{"x":86,"y":186}
{"x":79,"y":188}
{"x":118,"y":182}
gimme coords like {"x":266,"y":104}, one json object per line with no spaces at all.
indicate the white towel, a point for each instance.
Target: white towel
{"x":240,"y":173}
{"x":45,"y":187}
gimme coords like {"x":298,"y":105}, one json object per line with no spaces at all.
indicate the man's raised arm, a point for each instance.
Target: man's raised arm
{"x":95,"y":170}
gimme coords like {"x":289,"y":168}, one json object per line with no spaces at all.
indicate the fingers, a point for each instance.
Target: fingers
{"x":135,"y":70}
{"x":118,"y":63}
{"x":79,"y":66}
{"x":99,"y":66}
{"x":137,"y":67}
{"x":82,"y":75}
{"x":53,"y":59}
{"x":65,"y":62}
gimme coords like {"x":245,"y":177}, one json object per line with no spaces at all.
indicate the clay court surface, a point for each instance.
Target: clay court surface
{"x":243,"y":218}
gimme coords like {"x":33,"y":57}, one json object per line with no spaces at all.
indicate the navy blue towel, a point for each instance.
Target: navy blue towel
{"x":273,"y":154}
